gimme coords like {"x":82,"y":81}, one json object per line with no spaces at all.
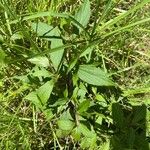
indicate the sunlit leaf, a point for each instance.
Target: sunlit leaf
{"x":41,"y":72}
{"x":40,"y":61}
{"x":84,"y":106}
{"x":100,"y":98}
{"x":76,"y":134}
{"x":83,"y":15}
{"x":32,"y":97}
{"x":48,"y":114}
{"x":94,"y":76}
{"x":65,"y":124}
{"x":42,"y":29}
{"x":56,"y":57}
{"x":16,"y":36}
{"x":87,"y":51}
{"x":2,"y":57}
{"x":44,"y":91}
{"x":39,"y":98}
{"x":105,"y":146}
{"x":51,"y":34}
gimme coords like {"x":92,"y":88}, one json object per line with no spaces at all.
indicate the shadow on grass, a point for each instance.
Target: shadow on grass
{"x":130,"y":128}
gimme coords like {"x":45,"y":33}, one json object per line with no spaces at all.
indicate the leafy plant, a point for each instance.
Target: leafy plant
{"x":65,"y":75}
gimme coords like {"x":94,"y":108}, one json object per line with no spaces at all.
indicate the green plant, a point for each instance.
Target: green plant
{"x":62,"y":74}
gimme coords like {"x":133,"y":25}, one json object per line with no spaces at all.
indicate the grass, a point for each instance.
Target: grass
{"x":74,"y":75}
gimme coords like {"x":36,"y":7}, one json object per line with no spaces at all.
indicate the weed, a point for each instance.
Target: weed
{"x":74,"y":75}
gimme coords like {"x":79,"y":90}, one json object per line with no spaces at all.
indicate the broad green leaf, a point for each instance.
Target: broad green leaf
{"x":85,"y":131}
{"x":75,"y":92}
{"x":76,"y":134}
{"x":89,"y":142}
{"x":118,"y":116}
{"x":100,"y":98}
{"x":100,"y":119}
{"x":59,"y":102}
{"x":16,"y":36}
{"x":41,"y":72}
{"x":62,"y":133}
{"x":139,"y":114}
{"x":72,"y":64}
{"x":131,"y":138}
{"x":44,"y":91}
{"x":59,"y":133}
{"x":32,"y":97}
{"x":105,"y":146}
{"x":40,"y":61}
{"x":51,"y":34}
{"x":90,"y":137}
{"x":147,"y":101}
{"x":83,"y":15}
{"x":40,"y":97}
{"x":42,"y":29}
{"x":67,"y":114}
{"x":94,"y":76}
{"x":81,"y":92}
{"x":86,"y":142}
{"x":48,"y":114}
{"x":2,"y":57}
{"x":84,"y":106}
{"x":87,"y":51}
{"x":56,"y":57}
{"x":65,"y":124}
{"x":1,"y":38}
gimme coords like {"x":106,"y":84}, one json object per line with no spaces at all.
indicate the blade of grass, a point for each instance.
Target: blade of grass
{"x":34,"y":119}
{"x":96,"y":17}
{"x":7,"y":22}
{"x":123,"y":15}
{"x":46,"y":14}
{"x":39,"y":15}
{"x":41,"y":53}
{"x":109,"y":7}
{"x":13,"y":15}
{"x":123,"y":29}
